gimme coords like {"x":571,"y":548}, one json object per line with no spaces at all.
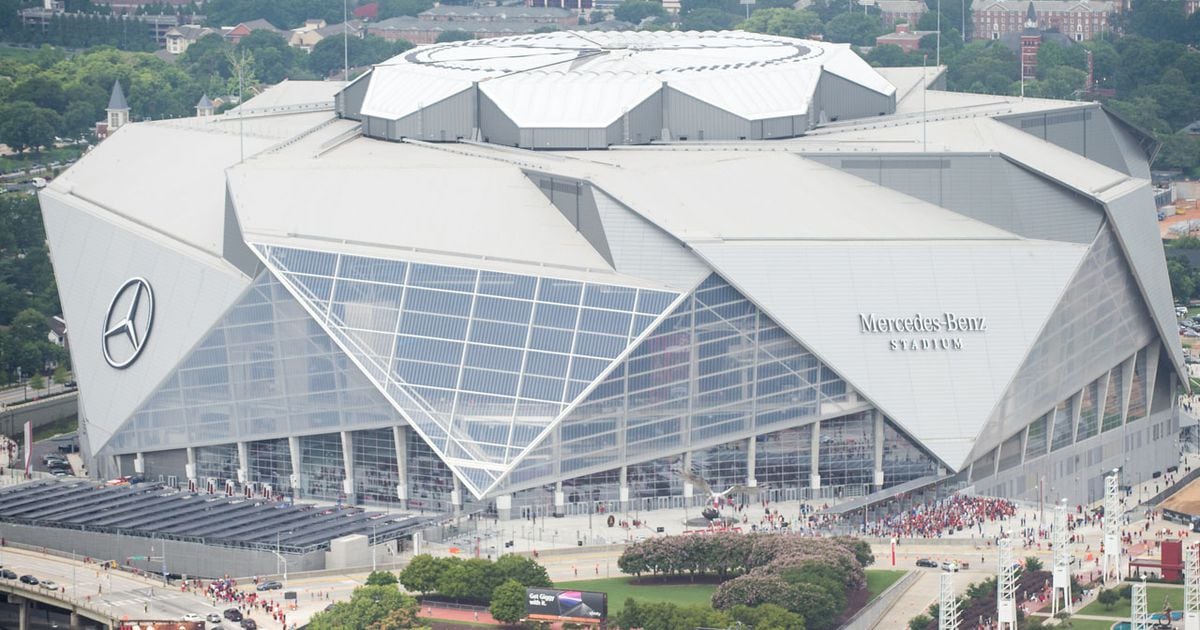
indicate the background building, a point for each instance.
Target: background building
{"x":813,"y":276}
{"x":1079,"y":20}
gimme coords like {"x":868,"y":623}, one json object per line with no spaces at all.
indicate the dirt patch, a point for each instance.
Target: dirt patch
{"x":1186,"y":500}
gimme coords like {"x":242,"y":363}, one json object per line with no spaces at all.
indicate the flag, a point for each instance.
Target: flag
{"x":28,"y":449}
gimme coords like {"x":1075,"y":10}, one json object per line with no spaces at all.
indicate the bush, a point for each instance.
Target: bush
{"x":1108,"y":598}
{"x":1032,"y":563}
{"x":472,"y":580}
{"x":381,"y":578}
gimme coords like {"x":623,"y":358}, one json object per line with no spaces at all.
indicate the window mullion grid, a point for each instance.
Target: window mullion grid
{"x":574,"y":340}
{"x":462,"y":360}
{"x":337,"y":267}
{"x":512,"y":426}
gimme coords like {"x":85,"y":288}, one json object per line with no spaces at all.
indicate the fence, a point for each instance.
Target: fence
{"x":869,"y":616}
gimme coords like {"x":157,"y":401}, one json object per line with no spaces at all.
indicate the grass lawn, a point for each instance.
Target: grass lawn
{"x":1154,"y":603}
{"x":879,"y":579}
{"x":66,"y":425}
{"x":619,"y":589}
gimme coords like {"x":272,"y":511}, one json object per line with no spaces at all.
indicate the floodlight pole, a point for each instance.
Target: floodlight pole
{"x":345,"y":43}
{"x":1112,"y":526}
{"x":947,"y":604}
{"x":1006,"y":586}
{"x":1191,"y":586}
{"x":1139,"y":617}
{"x":1062,"y":561}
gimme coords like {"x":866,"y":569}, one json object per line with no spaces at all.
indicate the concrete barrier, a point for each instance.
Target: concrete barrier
{"x":869,"y":616}
{"x":40,"y":412}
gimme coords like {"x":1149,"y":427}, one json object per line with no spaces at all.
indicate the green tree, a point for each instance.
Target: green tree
{"x":892,"y":56}
{"x":526,"y":571}
{"x":36,"y":382}
{"x":785,"y":22}
{"x":854,"y":28}
{"x":1033,"y":563}
{"x":381,"y":578}
{"x":1108,"y":598}
{"x":207,"y":56}
{"x":25,"y":126}
{"x":453,"y":36}
{"x":634,"y":11}
{"x":767,"y":617}
{"x":327,"y":56}
{"x":1182,"y":278}
{"x":61,"y":375}
{"x":274,"y":60}
{"x":508,"y":602}
{"x":423,"y":574}
{"x":709,"y":20}
{"x":368,"y":608}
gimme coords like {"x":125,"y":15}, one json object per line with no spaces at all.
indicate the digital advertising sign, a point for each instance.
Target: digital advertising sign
{"x":549,"y":604}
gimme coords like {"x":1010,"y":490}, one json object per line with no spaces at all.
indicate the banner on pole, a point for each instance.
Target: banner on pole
{"x":28,"y":449}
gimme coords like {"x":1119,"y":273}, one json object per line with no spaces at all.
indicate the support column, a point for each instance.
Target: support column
{"x":348,"y":467}
{"x":560,"y":499}
{"x":623,"y":491}
{"x":751,"y":458}
{"x":190,"y":468}
{"x":689,"y":489}
{"x":504,"y":507}
{"x":456,"y":495}
{"x":400,"y":437}
{"x":23,"y":615}
{"x":294,"y":448}
{"x":139,"y":464}
{"x":878,"y":450}
{"x":814,"y":474}
{"x":75,"y":621}
{"x":243,"y":471}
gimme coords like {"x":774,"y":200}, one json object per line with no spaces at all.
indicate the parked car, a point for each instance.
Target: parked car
{"x":950,"y":566}
{"x":248,"y":624}
{"x":7,"y":574}
{"x":29,"y":579}
{"x":233,"y":614}
{"x":214,"y":618}
{"x":926,"y":562}
{"x":270,"y":586}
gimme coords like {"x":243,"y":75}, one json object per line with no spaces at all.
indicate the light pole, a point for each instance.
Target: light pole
{"x":372,"y":543}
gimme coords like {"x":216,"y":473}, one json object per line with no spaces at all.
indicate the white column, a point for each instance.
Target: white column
{"x":560,"y":499}
{"x":139,"y":464}
{"x":400,"y":437}
{"x":294,"y":449}
{"x":878,"y":449}
{"x":190,"y":468}
{"x":814,"y":474}
{"x":751,"y":457}
{"x":348,"y":467}
{"x":456,"y":495}
{"x":623,"y":491}
{"x":504,"y":507}
{"x":243,"y":471}
{"x":689,"y":489}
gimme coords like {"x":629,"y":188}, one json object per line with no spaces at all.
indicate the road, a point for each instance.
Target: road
{"x":120,"y":593}
{"x":18,"y":395}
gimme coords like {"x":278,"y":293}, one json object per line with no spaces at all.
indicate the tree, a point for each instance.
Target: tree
{"x":1108,"y":598}
{"x":370,"y":607}
{"x":274,"y":59}
{"x":508,"y":602}
{"x":785,"y":22}
{"x":526,"y":571}
{"x":1182,"y":278}
{"x":327,"y":56}
{"x":60,"y":375}
{"x":37,"y":382}
{"x":381,"y":578}
{"x":767,"y":617}
{"x":1033,"y":563}
{"x":634,"y":11}
{"x":24,"y":126}
{"x":422,"y":574}
{"x":854,"y":28}
{"x":709,"y":20}
{"x":453,"y":36}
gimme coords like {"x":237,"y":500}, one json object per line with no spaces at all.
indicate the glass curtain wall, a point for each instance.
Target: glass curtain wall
{"x":376,"y":474}
{"x":217,"y":462}
{"x":271,"y":463}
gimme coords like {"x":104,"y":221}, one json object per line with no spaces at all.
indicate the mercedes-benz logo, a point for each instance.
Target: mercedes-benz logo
{"x":128,"y":323}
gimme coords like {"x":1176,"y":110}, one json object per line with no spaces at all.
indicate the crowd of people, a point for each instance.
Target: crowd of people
{"x":934,"y":520}
{"x":225,"y":591}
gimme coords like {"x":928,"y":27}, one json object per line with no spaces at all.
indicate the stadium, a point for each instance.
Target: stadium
{"x":566,"y":272}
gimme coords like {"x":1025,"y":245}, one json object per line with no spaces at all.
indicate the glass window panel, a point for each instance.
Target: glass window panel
{"x":550,"y":339}
{"x":1064,"y":416}
{"x":440,"y":302}
{"x":1112,"y":402}
{"x":317,"y":288}
{"x":438,"y":326}
{"x":431,"y":350}
{"x":546,"y":364}
{"x":503,"y":310}
{"x":499,"y":334}
{"x":493,"y":358}
{"x":427,"y":374}
{"x":541,"y":388}
{"x":302,"y":261}
{"x":597,"y":345}
{"x":375,"y":466}
{"x":1089,"y":413}
{"x":1035,"y":441}
{"x":556,"y":316}
{"x":559,"y":291}
{"x":374,"y":269}
{"x":653,"y":302}
{"x":489,"y":382}
{"x":507,"y":285}
{"x":445,"y":278}
{"x":610,"y":297}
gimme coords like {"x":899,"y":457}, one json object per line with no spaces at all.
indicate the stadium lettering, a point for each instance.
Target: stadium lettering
{"x":925,"y":326}
{"x":925,"y":344}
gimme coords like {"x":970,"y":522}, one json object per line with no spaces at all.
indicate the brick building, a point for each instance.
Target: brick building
{"x":1078,"y":20}
{"x":907,"y":39}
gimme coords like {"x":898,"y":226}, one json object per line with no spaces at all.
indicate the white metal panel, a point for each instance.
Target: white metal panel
{"x":779,"y":90}
{"x":641,"y":249}
{"x":559,"y":99}
{"x":818,"y":290}
{"x":399,"y":90}
{"x":93,"y":255}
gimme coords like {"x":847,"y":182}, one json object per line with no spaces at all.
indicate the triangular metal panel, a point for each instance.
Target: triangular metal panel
{"x":971,"y":309}
{"x":1132,"y":218}
{"x":641,"y":249}
{"x":94,"y":256}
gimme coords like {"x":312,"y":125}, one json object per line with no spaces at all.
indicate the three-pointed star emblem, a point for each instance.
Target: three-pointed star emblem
{"x":127,"y":329}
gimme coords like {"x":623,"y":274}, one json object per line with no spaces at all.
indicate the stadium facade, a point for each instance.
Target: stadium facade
{"x":550,"y":271}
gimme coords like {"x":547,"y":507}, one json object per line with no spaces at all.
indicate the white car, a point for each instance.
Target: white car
{"x":49,"y":584}
{"x":950,"y":566}
{"x":193,"y":617}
